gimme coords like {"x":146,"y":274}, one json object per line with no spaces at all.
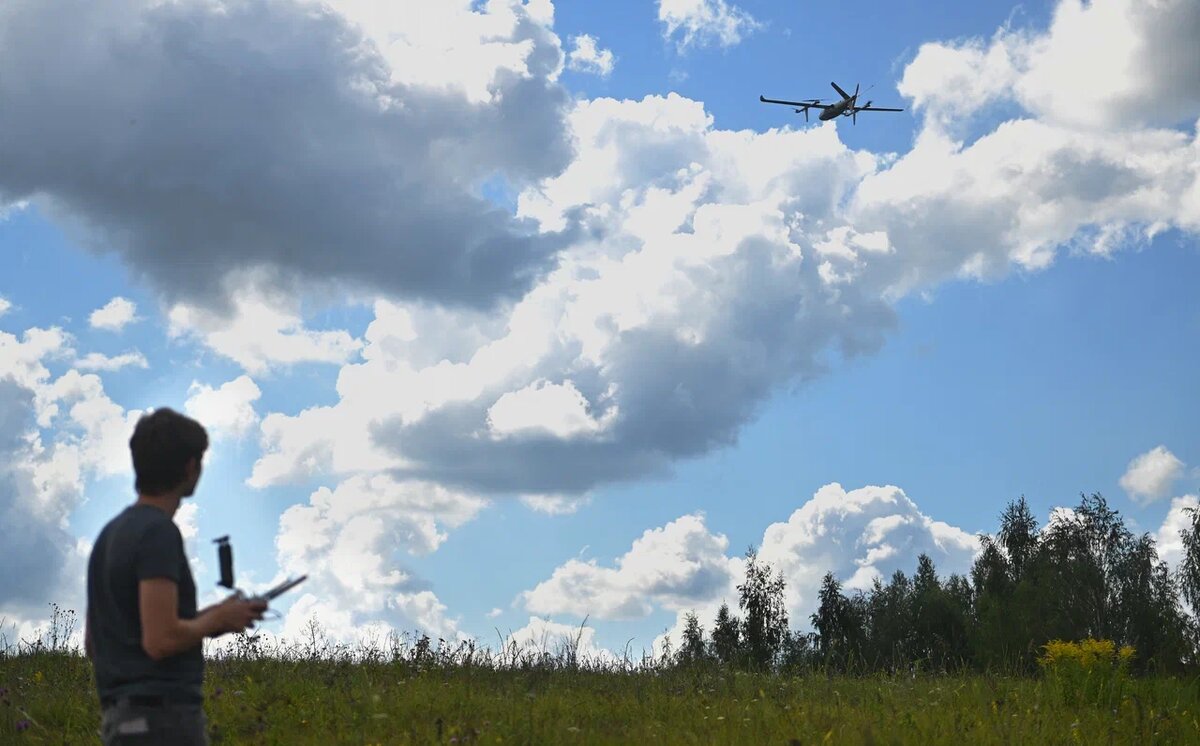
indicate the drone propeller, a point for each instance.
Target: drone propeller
{"x":810,"y":102}
{"x":865,"y":106}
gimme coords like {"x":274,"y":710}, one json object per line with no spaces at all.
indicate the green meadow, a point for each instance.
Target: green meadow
{"x":467,"y":698}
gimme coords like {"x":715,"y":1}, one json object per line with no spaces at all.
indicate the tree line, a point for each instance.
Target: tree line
{"x":1083,"y":575}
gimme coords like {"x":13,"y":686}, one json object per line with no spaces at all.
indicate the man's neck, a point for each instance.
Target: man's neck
{"x":167,"y":503}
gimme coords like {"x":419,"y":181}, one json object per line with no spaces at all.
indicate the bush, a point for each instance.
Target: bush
{"x":1094,"y":671}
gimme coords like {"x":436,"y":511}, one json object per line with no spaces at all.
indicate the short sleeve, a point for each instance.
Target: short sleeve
{"x":160,"y":552}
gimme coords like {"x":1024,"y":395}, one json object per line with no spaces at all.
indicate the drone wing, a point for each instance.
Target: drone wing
{"x":814,"y":103}
{"x":875,"y":108}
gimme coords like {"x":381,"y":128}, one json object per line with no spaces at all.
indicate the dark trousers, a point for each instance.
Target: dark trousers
{"x":125,"y":724}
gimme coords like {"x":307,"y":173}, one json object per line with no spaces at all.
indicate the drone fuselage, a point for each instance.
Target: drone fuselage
{"x":836,"y":109}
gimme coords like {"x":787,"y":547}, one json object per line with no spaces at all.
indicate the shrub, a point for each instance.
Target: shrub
{"x":1091,"y":670}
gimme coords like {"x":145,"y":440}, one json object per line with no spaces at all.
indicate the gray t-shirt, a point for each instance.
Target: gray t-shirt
{"x":140,"y":543}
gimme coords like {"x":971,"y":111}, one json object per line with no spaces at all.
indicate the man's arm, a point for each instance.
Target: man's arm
{"x":163,"y":633}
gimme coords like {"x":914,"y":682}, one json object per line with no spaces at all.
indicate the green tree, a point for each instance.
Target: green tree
{"x":797,"y":652}
{"x":839,"y":624}
{"x":726,"y":639}
{"x":889,"y":623}
{"x":765,"y":623}
{"x":1189,"y":569}
{"x":1019,"y":536}
{"x":692,"y":648}
{"x":996,"y":640}
{"x":939,"y":622}
{"x":991,"y":574}
{"x":1076,"y":573}
{"x":1148,"y":610}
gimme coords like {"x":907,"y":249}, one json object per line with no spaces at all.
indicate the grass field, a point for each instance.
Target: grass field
{"x":49,"y":697}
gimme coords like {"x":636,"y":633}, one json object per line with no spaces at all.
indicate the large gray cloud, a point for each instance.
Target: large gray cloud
{"x":703,"y":294}
{"x":55,"y":434}
{"x":729,"y":265}
{"x":36,"y":546}
{"x":203,"y":138}
{"x":674,"y":398}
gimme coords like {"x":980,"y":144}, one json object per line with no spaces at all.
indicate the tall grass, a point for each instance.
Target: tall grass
{"x":411,"y":689}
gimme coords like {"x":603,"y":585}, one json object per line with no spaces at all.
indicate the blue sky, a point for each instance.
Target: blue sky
{"x":597,"y":421}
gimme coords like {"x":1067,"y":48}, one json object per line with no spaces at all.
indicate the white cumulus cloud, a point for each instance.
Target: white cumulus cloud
{"x":544,"y":636}
{"x":187,"y":518}
{"x":588,"y":57}
{"x":699,"y":23}
{"x":114,"y":315}
{"x":1106,"y":65}
{"x":1151,"y":475}
{"x":551,"y":504}
{"x":95,"y":361}
{"x":228,"y":410}
{"x":457,"y":45}
{"x":351,"y":541}
{"x":556,"y":409}
{"x":677,"y":566}
{"x":859,"y":535}
{"x":261,"y":335}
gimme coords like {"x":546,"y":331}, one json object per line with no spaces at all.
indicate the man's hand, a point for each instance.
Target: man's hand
{"x":237,"y":613}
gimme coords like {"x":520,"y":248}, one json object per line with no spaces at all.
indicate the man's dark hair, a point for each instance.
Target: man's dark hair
{"x":162,"y":444}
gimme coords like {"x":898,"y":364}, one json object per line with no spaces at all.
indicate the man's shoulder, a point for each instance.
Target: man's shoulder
{"x":116,"y":524}
{"x":144,"y":515}
{"x":135,"y":522}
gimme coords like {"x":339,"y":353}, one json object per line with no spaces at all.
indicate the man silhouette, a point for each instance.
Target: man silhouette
{"x":143,"y":632}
